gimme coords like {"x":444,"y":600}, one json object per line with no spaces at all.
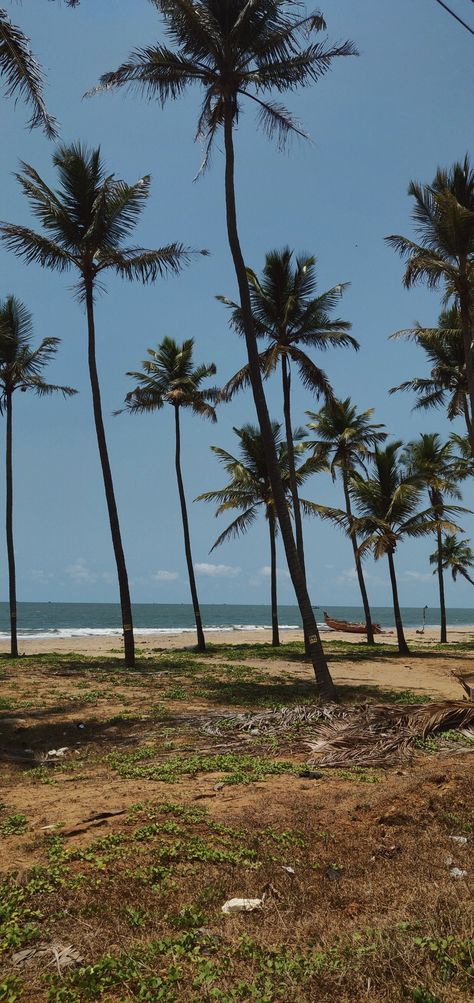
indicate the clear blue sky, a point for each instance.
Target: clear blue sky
{"x":394,"y":113}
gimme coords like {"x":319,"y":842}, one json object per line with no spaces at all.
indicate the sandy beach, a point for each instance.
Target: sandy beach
{"x":97,"y":645}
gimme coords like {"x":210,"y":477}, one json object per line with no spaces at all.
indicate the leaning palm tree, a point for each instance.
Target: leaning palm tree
{"x":387,"y":504}
{"x":236,"y":49}
{"x":169,"y":376}
{"x":443,"y":214}
{"x":85,"y":222}
{"x":23,"y":75}
{"x":250,"y":490}
{"x":446,"y":385}
{"x":347,"y":438}
{"x":434,"y":464}
{"x":21,"y":368}
{"x":288,"y":315}
{"x":457,"y":556}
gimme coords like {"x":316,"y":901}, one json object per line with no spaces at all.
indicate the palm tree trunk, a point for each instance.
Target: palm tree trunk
{"x":442,"y":603}
{"x":127,"y":623}
{"x":465,"y":312}
{"x":402,"y":644}
{"x":201,"y":643}
{"x":286,"y":379}
{"x":358,"y":566}
{"x":321,"y":671}
{"x":273,"y":580}
{"x":9,"y":527}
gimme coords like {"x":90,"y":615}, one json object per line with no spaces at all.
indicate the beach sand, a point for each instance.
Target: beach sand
{"x":105,"y":644}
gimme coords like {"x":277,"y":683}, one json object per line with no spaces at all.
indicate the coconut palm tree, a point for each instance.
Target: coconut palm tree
{"x":250,"y":490}
{"x":291,"y":318}
{"x":23,"y":75}
{"x":347,"y":438}
{"x":433,"y":462}
{"x":21,"y":368}
{"x":169,"y":376}
{"x":446,"y":386}
{"x":236,"y":49}
{"x":456,"y":557}
{"x":387,"y":506}
{"x":85,"y":222}
{"x":443,"y":215}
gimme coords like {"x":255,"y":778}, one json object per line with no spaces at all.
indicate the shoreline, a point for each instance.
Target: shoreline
{"x":110,"y":643}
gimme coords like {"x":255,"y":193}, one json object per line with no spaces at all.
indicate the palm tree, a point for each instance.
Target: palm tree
{"x":21,"y":368}
{"x":347,"y":437}
{"x":288,"y":315}
{"x":456,"y":557}
{"x":170,"y":377}
{"x":237,"y":49}
{"x":250,"y":490}
{"x":443,"y":215}
{"x":446,"y":386}
{"x":433,"y":462}
{"x":23,"y":75}
{"x":85,"y":222}
{"x":388,"y":510}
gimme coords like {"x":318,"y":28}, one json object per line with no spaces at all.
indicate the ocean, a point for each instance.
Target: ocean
{"x":56,"y":620}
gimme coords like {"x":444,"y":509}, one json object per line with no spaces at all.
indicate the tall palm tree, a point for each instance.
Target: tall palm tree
{"x":169,"y":376}
{"x":443,"y":215}
{"x":387,"y":508}
{"x":21,"y":368}
{"x":250,"y":490}
{"x":236,"y":49}
{"x":347,"y":437}
{"x":23,"y":75}
{"x":288,"y":315}
{"x":433,"y":462}
{"x":457,"y":556}
{"x":85,"y":222}
{"x":446,"y":386}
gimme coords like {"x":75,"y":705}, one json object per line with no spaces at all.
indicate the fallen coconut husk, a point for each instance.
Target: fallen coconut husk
{"x":373,"y":735}
{"x":384,"y":735}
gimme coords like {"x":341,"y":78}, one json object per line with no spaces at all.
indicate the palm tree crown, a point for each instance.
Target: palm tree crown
{"x":288,"y":314}
{"x":249,"y":486}
{"x":20,"y":364}
{"x":169,"y":376}
{"x":233,"y":49}
{"x":345,"y":434}
{"x":86,"y":220}
{"x":457,"y":557}
{"x":23,"y":75}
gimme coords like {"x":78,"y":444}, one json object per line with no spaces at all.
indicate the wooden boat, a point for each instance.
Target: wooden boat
{"x":350,"y":628}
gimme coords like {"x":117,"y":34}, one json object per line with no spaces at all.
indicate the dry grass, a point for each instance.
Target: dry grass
{"x":372,"y":912}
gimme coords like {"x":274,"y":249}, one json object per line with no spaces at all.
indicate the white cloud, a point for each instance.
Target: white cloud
{"x":217,"y":570}
{"x":165,"y":576}
{"x":80,"y":574}
{"x":348,"y":576}
{"x":417,"y":576}
{"x":41,"y":577}
{"x":266,"y":571}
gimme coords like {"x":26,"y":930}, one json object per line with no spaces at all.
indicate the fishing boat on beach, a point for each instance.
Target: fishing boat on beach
{"x":351,"y":628}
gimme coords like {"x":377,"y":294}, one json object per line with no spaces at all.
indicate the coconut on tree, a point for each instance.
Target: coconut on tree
{"x":21,"y":368}
{"x":249,"y":490}
{"x":346,"y":439}
{"x":170,"y":376}
{"x":238,"y":51}
{"x":85,"y":222}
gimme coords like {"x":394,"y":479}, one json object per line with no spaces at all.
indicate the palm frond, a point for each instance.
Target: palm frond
{"x":23,"y":75}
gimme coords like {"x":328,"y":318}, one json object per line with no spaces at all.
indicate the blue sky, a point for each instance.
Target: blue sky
{"x":394,"y":113}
